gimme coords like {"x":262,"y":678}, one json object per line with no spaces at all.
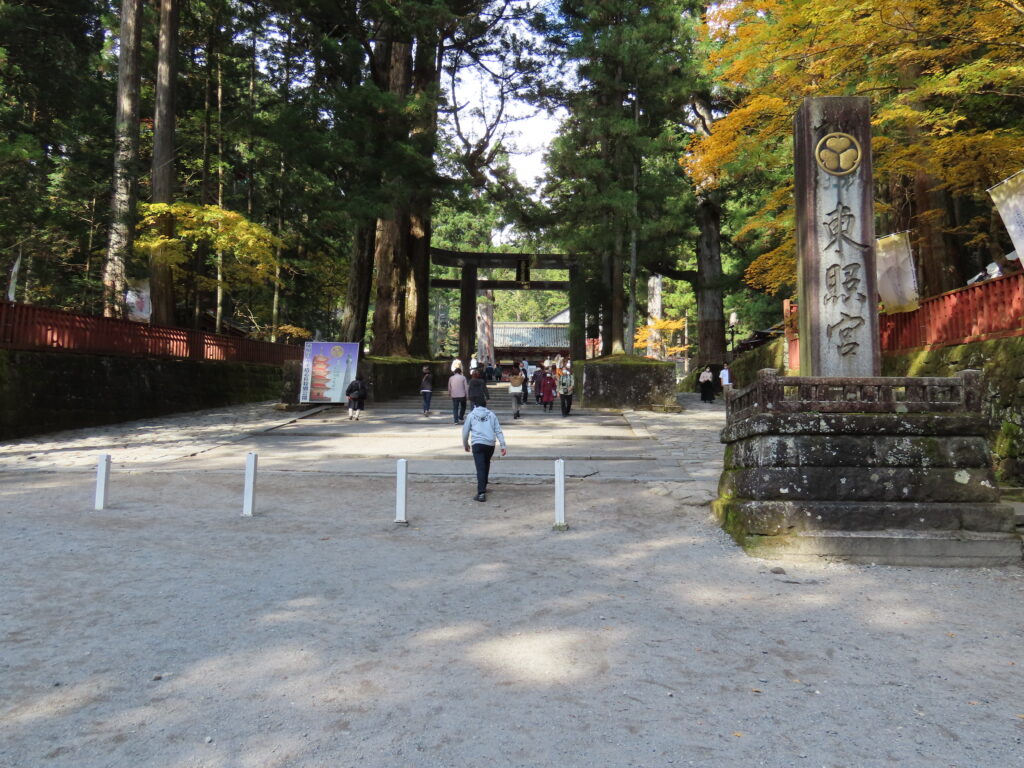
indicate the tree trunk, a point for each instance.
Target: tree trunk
{"x":161,"y":281}
{"x":360,"y":282}
{"x":126,"y":159}
{"x":938,"y":271}
{"x":391,"y":256}
{"x":218,"y":323}
{"x":392,"y":266}
{"x":616,"y":299}
{"x":417,"y":302}
{"x":708,"y":288}
{"x":426,"y":82}
{"x":202,"y":251}
{"x":655,"y":345}
{"x":631,"y":324}
{"x":605,"y":306}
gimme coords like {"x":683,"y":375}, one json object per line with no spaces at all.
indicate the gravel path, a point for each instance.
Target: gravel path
{"x":168,"y":631}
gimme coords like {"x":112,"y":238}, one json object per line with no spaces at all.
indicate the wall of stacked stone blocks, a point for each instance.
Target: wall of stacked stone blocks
{"x":51,"y":391}
{"x":1000,"y":360}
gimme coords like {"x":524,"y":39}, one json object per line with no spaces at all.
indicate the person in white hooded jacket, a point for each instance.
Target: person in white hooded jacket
{"x":481,"y":430}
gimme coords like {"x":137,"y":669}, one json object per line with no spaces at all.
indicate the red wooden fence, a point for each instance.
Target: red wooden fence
{"x":25,"y":326}
{"x":989,"y":310}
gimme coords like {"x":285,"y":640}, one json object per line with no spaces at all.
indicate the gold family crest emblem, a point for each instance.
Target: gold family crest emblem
{"x":838,"y":154}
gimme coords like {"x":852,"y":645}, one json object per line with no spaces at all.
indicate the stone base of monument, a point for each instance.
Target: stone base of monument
{"x":871,"y":470}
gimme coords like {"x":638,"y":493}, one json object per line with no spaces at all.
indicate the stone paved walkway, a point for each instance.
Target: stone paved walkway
{"x":679,"y":451}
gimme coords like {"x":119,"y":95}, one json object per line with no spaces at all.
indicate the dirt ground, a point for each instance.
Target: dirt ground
{"x":169,"y":631}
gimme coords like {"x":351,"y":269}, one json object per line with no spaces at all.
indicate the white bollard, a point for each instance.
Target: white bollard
{"x":249,"y":499}
{"x":560,"y":524}
{"x":401,"y":492}
{"x":102,"y":480}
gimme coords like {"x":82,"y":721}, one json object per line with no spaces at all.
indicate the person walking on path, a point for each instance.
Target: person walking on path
{"x":427,"y":389}
{"x":356,"y":394}
{"x":725,"y":376}
{"x":481,"y":430}
{"x":538,"y":377}
{"x":566,"y":386}
{"x":456,"y":365}
{"x":457,"y":390}
{"x":477,"y":388}
{"x":515,"y":388}
{"x":548,"y":389}
{"x":707,"y":385}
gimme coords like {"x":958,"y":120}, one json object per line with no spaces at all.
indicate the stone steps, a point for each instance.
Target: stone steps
{"x":1018,"y":512}
{"x":893,"y":547}
{"x":500,"y":400}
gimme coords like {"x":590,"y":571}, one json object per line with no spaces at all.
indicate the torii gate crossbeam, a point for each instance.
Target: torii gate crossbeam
{"x":468,"y":283}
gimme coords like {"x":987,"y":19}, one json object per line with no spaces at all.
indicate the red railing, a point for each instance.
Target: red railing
{"x":989,"y":310}
{"x":25,"y":326}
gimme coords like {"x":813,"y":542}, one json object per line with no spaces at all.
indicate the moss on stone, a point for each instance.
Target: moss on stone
{"x":625,"y":381}
{"x":626,"y":360}
{"x":1007,"y":441}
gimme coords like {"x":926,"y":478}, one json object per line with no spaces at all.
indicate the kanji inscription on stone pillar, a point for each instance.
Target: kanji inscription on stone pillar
{"x":835,"y":238}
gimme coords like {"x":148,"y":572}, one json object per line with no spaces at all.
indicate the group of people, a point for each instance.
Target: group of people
{"x":706,"y":382}
{"x":548,"y":380}
{"x":481,"y":430}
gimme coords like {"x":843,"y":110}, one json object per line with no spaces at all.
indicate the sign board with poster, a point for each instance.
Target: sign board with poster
{"x":328,"y":367}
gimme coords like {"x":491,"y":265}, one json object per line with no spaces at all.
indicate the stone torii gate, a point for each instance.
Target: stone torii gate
{"x":470,"y":263}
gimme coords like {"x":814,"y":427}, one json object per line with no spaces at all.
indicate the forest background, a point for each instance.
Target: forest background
{"x":284,"y":167}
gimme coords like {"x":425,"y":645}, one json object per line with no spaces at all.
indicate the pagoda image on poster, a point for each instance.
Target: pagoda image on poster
{"x":327,"y":369}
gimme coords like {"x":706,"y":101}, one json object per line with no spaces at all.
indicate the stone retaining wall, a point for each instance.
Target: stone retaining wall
{"x":51,"y":391}
{"x":623,"y":381}
{"x":1000,"y":360}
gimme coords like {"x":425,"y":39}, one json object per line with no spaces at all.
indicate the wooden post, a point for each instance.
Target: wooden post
{"x":249,"y":497}
{"x":102,"y":480}
{"x":401,"y":491}
{"x":560,"y":524}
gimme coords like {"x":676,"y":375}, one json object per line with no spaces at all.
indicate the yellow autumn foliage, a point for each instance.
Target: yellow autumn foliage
{"x":247,"y":247}
{"x":940,"y":76}
{"x":655,"y":333}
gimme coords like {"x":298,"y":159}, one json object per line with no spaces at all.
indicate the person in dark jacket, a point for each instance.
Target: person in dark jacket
{"x":427,"y":389}
{"x":356,"y":394}
{"x":478,"y":389}
{"x":538,"y":377}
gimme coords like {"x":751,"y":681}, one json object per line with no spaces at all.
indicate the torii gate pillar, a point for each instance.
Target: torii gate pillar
{"x":467,"y":315}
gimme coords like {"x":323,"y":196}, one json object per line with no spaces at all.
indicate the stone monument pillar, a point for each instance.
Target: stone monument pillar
{"x":835,"y":238}
{"x":840,"y":462}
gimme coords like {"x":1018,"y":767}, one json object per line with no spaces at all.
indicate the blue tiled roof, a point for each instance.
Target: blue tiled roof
{"x":535,"y":335}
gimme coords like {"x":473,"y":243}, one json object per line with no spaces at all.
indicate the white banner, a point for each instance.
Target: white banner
{"x":137,"y":301}
{"x":897,"y":278}
{"x":12,"y":285}
{"x":1008,"y":196}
